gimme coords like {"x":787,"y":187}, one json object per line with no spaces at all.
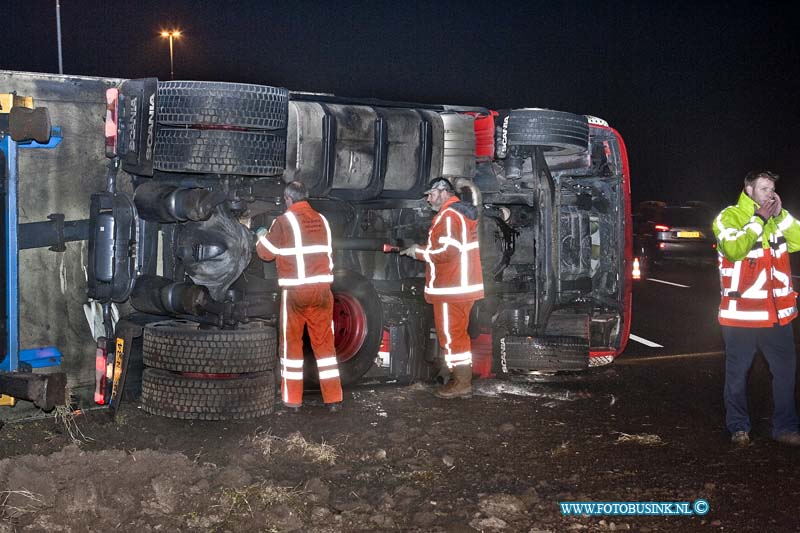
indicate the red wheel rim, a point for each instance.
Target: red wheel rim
{"x":349,"y":326}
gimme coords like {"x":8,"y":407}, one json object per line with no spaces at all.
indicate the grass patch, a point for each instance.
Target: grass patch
{"x":264,"y":494}
{"x":267,"y":444}
{"x":66,"y":416}
{"x":318,"y":453}
{"x":645,"y":439}
{"x":24,"y":501}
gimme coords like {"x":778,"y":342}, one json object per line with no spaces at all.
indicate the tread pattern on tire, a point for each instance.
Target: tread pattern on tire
{"x":545,"y":353}
{"x":244,"y":153}
{"x":176,"y":396}
{"x":180,"y":346}
{"x":209,"y":103}
{"x":563,"y":133}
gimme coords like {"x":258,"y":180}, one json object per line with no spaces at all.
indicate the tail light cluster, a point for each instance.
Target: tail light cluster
{"x":112,"y":116}
{"x":100,"y":371}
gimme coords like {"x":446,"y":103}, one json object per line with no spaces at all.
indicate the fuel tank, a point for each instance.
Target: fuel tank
{"x":362,"y":152}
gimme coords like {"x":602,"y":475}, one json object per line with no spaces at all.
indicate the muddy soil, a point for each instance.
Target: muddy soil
{"x":397,"y":458}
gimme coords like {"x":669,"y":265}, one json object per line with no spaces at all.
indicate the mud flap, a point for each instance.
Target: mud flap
{"x":137,"y":124}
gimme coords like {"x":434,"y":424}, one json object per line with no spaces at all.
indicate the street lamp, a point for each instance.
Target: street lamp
{"x":173,"y":34}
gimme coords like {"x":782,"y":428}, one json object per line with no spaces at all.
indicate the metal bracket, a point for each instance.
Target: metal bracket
{"x":45,"y":390}
{"x":58,"y":222}
{"x":55,"y":140}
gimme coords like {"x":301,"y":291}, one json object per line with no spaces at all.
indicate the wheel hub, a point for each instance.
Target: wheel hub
{"x":349,"y":326}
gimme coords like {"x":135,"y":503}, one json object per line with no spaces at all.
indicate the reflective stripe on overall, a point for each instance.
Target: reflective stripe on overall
{"x":299,"y":252}
{"x":462,"y":285}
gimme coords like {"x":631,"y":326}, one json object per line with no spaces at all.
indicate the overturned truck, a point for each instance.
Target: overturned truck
{"x":195,"y":167}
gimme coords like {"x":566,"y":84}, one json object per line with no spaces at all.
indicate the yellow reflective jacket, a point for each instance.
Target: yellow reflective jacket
{"x":755,"y":276}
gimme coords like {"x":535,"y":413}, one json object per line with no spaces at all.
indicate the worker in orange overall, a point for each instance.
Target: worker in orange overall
{"x":453,"y":280}
{"x":300,"y":241}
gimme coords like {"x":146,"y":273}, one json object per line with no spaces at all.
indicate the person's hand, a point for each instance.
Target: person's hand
{"x":411,"y":251}
{"x":777,"y":206}
{"x":260,"y":232}
{"x":766,"y":209}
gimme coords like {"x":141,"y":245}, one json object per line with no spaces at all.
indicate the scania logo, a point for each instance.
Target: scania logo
{"x":151,"y":116}
{"x":503,"y":141}
{"x":134,"y":106}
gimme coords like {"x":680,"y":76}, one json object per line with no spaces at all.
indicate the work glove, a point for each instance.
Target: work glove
{"x":411,"y":251}
{"x":257,"y":234}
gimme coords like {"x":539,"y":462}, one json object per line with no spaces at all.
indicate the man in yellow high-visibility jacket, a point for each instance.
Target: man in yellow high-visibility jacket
{"x":758,"y":303}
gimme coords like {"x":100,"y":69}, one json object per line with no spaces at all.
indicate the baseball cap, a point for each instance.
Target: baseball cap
{"x":439,"y":184}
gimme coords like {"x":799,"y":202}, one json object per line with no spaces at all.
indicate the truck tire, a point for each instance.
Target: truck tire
{"x":240,"y":397}
{"x":515,"y":354}
{"x":357,"y":325}
{"x":181,"y":346}
{"x":218,"y":104}
{"x":559,"y":132}
{"x":244,"y":153}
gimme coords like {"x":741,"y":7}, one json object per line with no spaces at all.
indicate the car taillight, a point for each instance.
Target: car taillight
{"x":661,"y":227}
{"x":112,"y":105}
{"x":662,"y":245}
{"x":636,"y":272}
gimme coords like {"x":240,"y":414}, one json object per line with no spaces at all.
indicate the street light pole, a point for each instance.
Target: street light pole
{"x":58,"y":30}
{"x":173,"y":34}
{"x":171,"y":62}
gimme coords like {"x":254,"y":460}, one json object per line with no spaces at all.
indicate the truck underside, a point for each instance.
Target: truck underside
{"x":550,"y":186}
{"x":195,"y":167}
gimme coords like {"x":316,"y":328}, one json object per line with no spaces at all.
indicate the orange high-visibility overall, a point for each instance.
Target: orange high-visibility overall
{"x":453,"y":279}
{"x":300,"y":242}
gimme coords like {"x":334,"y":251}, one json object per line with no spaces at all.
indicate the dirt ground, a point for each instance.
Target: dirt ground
{"x":398,"y":458}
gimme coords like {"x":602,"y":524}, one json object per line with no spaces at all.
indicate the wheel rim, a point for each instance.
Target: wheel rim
{"x":349,"y":326}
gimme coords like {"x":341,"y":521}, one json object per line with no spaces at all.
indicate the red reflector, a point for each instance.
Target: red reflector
{"x":112,"y":103}
{"x":384,"y":359}
{"x":482,"y":356}
{"x":714,"y":246}
{"x":662,"y":227}
{"x":385,"y":342}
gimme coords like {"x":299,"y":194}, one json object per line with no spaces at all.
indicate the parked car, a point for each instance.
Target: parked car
{"x":673,"y":233}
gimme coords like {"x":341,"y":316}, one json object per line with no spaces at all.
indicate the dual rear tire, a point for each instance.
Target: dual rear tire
{"x":208,"y":374}
{"x":211,"y":374}
{"x":221,"y":128}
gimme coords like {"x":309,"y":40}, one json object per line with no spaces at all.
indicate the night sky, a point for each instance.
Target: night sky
{"x":702,"y":92}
